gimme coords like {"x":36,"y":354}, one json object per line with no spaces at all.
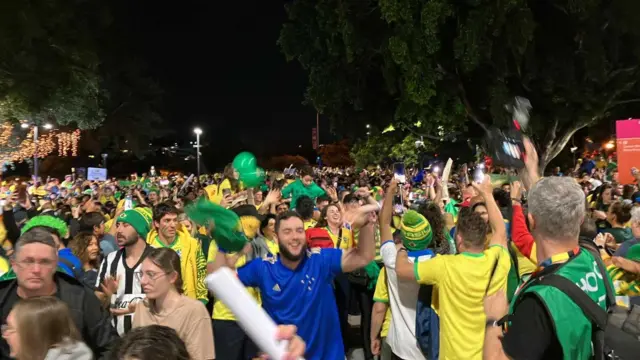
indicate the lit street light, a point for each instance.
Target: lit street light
{"x":198,"y":132}
{"x":368,"y":126}
{"x":26,"y":125}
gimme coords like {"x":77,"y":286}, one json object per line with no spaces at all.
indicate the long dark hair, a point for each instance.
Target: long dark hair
{"x":322,"y":222}
{"x":228,"y":175}
{"x":434,"y":215}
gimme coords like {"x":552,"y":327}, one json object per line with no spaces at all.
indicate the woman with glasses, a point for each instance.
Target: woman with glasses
{"x":161,"y":280}
{"x":41,"y":328}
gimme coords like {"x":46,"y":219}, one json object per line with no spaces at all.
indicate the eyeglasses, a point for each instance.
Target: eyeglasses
{"x":153,"y":276}
{"x":29,"y":263}
{"x":6,"y":328}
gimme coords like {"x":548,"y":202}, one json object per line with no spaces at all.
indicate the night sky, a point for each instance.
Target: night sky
{"x":222,"y":70}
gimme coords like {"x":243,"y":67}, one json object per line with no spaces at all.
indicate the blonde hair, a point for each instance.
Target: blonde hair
{"x":194,"y":228}
{"x":42,"y":323}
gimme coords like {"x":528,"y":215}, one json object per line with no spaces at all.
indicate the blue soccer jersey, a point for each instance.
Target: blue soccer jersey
{"x":302,"y":297}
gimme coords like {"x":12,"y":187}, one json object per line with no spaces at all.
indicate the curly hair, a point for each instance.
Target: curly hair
{"x":434,"y":215}
{"x":79,"y":247}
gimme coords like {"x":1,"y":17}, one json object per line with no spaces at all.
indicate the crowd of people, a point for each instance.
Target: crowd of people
{"x":459,"y":264}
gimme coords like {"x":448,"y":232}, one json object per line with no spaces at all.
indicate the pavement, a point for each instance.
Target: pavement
{"x":354,"y":339}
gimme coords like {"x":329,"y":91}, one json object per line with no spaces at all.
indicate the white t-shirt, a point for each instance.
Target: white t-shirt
{"x":403,"y":298}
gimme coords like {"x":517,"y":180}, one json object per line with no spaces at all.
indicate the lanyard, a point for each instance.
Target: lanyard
{"x":555,"y":259}
{"x":558,"y":258}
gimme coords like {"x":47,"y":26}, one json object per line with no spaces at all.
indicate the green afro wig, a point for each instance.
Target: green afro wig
{"x":58,"y":225}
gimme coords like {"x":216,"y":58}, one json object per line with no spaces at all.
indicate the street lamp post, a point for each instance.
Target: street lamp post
{"x":35,"y":145}
{"x":198,"y":132}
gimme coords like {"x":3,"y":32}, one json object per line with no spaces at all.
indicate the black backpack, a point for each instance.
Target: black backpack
{"x":616,"y":332}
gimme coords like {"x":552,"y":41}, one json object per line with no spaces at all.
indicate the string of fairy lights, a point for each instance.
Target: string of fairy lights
{"x":13,"y":150}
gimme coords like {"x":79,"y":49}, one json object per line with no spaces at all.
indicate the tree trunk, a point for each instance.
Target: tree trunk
{"x":558,"y":139}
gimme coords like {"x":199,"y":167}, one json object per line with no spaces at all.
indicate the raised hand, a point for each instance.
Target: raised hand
{"x":485,"y":188}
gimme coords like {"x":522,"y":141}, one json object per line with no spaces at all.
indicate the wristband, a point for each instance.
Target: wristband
{"x":492,"y":323}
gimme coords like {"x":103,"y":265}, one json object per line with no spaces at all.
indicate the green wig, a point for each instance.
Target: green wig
{"x":58,"y":225}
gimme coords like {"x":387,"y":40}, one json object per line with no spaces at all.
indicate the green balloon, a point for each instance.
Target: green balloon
{"x":252,"y":178}
{"x":244,"y":162}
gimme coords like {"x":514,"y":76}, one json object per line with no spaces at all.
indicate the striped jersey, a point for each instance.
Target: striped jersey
{"x":129,"y":288}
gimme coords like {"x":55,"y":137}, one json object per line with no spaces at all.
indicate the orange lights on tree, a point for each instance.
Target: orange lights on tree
{"x":14,"y":150}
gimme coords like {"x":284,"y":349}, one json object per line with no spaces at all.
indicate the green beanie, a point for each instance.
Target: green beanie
{"x":416,"y":231}
{"x":633,"y":253}
{"x":139,"y":218}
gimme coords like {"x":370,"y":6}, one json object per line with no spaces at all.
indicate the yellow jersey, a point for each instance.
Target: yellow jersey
{"x":346,"y":241}
{"x":381,"y":294}
{"x":220,"y":310}
{"x":462,"y":319}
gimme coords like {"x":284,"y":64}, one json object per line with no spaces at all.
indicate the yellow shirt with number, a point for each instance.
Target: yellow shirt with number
{"x":381,"y":294}
{"x":220,"y":310}
{"x":462,"y":281}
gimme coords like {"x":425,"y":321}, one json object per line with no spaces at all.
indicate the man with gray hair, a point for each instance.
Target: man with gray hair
{"x":33,"y":274}
{"x":545,"y":323}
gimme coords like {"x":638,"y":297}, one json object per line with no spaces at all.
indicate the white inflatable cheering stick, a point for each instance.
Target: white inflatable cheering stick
{"x":252,"y":318}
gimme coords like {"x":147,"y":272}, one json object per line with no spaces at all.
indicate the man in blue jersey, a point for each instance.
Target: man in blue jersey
{"x":296,"y":287}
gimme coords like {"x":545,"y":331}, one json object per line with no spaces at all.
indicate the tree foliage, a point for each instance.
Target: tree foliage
{"x":70,"y":63}
{"x":48,"y":61}
{"x":445,"y":62}
{"x":281,"y":162}
{"x":336,"y":154}
{"x":383,"y":149}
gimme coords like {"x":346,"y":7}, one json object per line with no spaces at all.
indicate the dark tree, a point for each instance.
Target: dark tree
{"x":445,"y":62}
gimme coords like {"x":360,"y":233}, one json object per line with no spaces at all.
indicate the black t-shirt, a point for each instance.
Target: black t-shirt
{"x":11,"y":299}
{"x":531,"y":334}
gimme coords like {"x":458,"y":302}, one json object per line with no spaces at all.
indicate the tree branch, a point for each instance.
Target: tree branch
{"x":622,"y":102}
{"x":555,"y":147}
{"x":467,"y":104}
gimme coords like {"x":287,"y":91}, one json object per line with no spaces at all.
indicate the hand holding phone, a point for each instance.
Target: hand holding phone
{"x":398,"y":173}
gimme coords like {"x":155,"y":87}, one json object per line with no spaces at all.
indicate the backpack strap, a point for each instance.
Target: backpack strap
{"x":514,"y":259}
{"x":493,"y":271}
{"x":76,"y":272}
{"x":590,"y":308}
{"x":611,"y":295}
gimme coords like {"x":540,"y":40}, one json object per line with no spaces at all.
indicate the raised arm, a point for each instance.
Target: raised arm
{"x":386,"y":214}
{"x":498,"y":228}
{"x":365,"y":252}
{"x":530,"y":174}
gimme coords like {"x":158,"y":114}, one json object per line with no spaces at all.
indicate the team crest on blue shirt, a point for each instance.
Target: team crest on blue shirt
{"x":308,"y":282}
